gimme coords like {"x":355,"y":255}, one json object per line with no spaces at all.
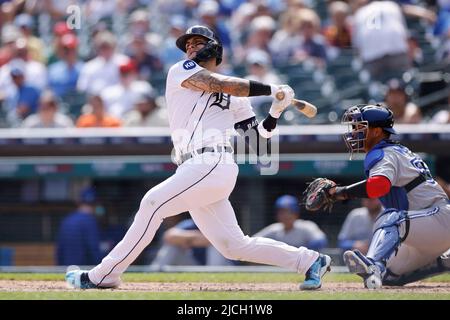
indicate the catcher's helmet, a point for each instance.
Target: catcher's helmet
{"x":361,"y":116}
{"x":213,"y":48}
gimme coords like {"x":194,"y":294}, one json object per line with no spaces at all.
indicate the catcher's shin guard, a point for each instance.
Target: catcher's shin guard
{"x":386,"y":237}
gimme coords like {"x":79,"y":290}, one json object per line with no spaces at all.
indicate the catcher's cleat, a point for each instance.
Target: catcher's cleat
{"x":313,"y":277}
{"x":371,"y":273}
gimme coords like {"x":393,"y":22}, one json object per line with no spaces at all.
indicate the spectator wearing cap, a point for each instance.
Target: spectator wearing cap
{"x":48,"y":114}
{"x":139,"y":22}
{"x":170,"y":53}
{"x":241,"y":20}
{"x":36,"y":47}
{"x":146,"y":112}
{"x":35,"y":72}
{"x":63,"y":74}
{"x":338,"y":31}
{"x":208,"y":12}
{"x":119,"y":98}
{"x":60,"y":29}
{"x":140,"y":25}
{"x":103,"y":70}
{"x":9,"y":35}
{"x":22,"y":99}
{"x":397,"y":98}
{"x":357,"y":229}
{"x":260,"y":34}
{"x":309,"y":44}
{"x":147,"y":62}
{"x":292,"y":230}
{"x":259,"y":68}
{"x":78,"y":239}
{"x":281,"y":44}
{"x":94,"y":115}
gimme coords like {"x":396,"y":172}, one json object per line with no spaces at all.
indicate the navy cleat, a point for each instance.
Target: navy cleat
{"x":79,"y":279}
{"x":313,"y":277}
{"x":365,"y":268}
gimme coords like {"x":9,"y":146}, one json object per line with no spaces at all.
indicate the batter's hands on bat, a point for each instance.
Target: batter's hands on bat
{"x":283,"y":98}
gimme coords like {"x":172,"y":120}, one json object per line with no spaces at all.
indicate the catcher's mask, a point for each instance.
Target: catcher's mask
{"x":358,"y":118}
{"x":212,"y":49}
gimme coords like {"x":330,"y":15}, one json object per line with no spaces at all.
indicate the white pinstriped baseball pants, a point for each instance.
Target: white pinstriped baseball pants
{"x":201,"y":186}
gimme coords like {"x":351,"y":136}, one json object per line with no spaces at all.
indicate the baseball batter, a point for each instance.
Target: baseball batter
{"x":204,"y":107}
{"x":412,"y":234}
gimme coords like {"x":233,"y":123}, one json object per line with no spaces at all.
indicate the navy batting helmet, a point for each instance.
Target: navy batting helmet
{"x":212,"y":49}
{"x":361,"y":116}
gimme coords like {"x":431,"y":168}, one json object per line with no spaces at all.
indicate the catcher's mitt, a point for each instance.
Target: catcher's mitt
{"x":316,"y":196}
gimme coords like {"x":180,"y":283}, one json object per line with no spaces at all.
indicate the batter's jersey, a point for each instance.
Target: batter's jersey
{"x":401,"y":166}
{"x":197,"y":118}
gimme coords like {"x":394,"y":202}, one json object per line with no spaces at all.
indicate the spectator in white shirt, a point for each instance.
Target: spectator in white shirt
{"x":35,"y":72}
{"x":119,"y":98}
{"x":48,"y":115}
{"x":147,"y":112}
{"x":103,"y":70}
{"x":380,"y":34}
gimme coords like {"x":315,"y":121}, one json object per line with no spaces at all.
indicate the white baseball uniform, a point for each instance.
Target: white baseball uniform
{"x":200,"y":185}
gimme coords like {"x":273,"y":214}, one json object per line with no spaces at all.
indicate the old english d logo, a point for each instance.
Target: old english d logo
{"x":222,"y":101}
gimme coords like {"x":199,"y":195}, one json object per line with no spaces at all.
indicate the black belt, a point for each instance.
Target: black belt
{"x":189,"y":155}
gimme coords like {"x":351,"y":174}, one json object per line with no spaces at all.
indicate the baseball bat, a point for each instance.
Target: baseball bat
{"x":308,"y":109}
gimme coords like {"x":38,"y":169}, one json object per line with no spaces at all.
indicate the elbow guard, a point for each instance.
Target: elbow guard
{"x":378,"y":186}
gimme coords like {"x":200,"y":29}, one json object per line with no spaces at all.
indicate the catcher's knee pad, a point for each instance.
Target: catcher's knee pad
{"x":388,"y":235}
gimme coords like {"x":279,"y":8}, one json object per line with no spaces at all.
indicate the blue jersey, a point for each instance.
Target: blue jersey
{"x":78,"y":240}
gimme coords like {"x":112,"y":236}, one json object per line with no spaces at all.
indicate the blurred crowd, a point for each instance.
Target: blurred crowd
{"x":99,"y":63}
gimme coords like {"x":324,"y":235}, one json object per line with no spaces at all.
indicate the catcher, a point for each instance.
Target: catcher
{"x":411,"y":235}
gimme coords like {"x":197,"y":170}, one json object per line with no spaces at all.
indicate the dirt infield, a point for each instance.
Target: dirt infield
{"x":35,"y":286}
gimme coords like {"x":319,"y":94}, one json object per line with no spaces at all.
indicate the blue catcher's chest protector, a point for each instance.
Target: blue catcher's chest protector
{"x":397,"y":196}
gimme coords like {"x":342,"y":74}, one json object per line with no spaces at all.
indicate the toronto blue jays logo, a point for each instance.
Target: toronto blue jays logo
{"x":222,"y":101}
{"x":189,"y":64}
